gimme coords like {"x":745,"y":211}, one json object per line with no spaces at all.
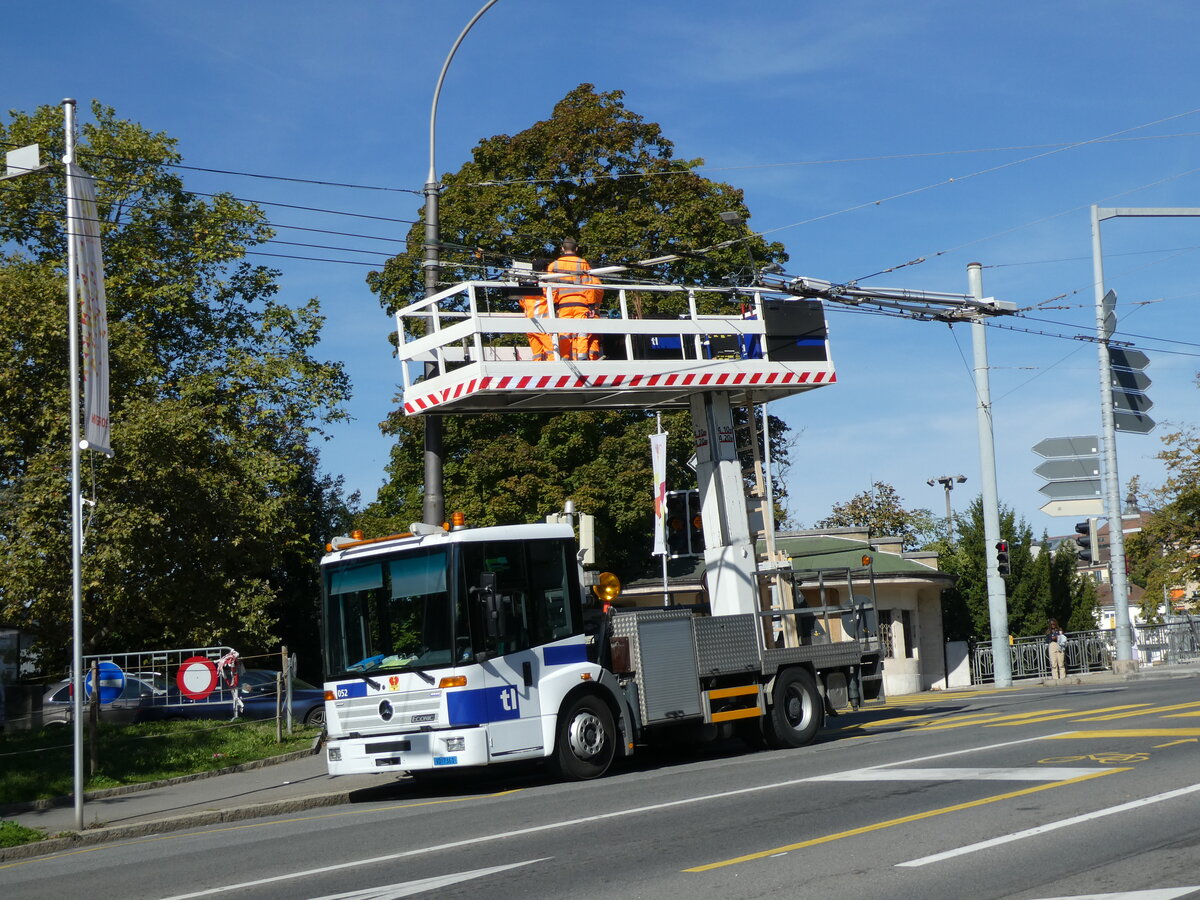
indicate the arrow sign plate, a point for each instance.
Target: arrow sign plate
{"x":1083,"y":489}
{"x":1131,"y":401}
{"x":1092,"y":507}
{"x":1130,"y":379}
{"x":1069,"y":469}
{"x":1109,"y":307}
{"x":1053,"y":448}
{"x":1127,"y":358}
{"x":1132,"y":423}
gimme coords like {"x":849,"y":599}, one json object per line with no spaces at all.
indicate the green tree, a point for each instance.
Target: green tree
{"x":600,"y":173}
{"x":881,"y":510}
{"x":204,"y":525}
{"x":1042,"y":585}
{"x":1164,"y":557}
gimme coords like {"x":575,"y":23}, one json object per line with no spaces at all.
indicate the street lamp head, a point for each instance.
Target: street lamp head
{"x":931,"y":482}
{"x":730,"y":217}
{"x":960,"y":478}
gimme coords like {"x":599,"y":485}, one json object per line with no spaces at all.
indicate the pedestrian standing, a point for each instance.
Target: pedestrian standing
{"x":1056,"y":647}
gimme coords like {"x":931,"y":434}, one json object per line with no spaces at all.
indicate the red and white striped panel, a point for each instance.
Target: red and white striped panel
{"x":428,"y":401}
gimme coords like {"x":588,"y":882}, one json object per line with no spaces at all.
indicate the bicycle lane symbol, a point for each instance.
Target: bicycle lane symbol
{"x":1107,"y":758}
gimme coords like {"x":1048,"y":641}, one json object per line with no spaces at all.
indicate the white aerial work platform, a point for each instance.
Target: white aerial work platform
{"x":477,"y":360}
{"x":464,"y":350}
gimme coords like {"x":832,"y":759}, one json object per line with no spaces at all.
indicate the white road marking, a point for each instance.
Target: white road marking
{"x":1157,"y":894}
{"x":584,"y":820}
{"x":1023,"y":773}
{"x":1052,"y":826}
{"x":408,"y":888}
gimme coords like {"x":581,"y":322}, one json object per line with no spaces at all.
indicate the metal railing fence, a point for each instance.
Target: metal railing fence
{"x":1087,"y":652}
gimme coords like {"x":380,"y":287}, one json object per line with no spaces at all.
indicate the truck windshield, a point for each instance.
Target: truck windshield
{"x":392,"y":613}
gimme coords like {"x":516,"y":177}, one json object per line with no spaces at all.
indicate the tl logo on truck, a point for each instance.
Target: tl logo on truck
{"x":508,"y":699}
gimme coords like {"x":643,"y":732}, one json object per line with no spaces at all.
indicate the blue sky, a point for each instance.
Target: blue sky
{"x":843,"y":123}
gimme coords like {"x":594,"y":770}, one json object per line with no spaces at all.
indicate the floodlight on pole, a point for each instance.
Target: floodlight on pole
{"x":948,"y":482}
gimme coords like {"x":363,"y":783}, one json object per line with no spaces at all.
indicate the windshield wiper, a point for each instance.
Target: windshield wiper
{"x":363,"y":676}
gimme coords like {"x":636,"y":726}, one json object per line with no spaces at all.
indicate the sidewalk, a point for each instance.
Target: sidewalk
{"x":295,"y":783}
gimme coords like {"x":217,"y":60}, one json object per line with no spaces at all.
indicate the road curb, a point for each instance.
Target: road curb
{"x":12,"y":809}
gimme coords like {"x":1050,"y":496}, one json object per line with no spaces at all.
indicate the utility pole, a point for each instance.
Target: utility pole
{"x":997,"y":600}
{"x":434,"y":504}
{"x":1112,"y":483}
{"x":73,"y":225}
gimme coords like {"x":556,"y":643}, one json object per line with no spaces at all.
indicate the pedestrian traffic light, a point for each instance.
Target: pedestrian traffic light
{"x":1002,"y":564}
{"x":1083,"y":543}
{"x":685,"y":531}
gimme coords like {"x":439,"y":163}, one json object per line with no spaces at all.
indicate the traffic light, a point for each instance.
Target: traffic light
{"x":685,"y":529}
{"x":1002,"y":564}
{"x":1083,"y":543}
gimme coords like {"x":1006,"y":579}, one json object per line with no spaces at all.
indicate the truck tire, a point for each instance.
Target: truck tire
{"x":797,"y":711}
{"x":586,"y":739}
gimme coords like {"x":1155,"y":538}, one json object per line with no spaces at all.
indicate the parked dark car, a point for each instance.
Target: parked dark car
{"x":256,"y":688}
{"x":135,"y":696}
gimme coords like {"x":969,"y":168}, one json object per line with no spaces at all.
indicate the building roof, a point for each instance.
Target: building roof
{"x":831,"y":548}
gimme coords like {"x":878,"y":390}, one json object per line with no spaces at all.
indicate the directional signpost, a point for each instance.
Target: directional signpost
{"x":1130,"y":403}
{"x":1072,"y":473}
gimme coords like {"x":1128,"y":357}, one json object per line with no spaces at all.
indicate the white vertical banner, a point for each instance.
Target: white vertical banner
{"x":658,"y":461}
{"x":85,"y":233}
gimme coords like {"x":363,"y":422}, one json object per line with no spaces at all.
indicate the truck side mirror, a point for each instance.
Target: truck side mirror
{"x":493,"y":612}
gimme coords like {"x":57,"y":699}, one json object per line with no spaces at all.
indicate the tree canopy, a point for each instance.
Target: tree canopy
{"x":204,"y":526}
{"x":597,"y":172}
{"x":881,"y":510}
{"x":1163,"y":556}
{"x":1042,"y":585}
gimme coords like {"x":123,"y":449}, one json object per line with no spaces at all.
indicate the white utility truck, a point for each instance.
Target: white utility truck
{"x":461,"y":647}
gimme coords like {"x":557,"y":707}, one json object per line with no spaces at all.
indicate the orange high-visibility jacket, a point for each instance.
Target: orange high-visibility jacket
{"x":576,"y":270}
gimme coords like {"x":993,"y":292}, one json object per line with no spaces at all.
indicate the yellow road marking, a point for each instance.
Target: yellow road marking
{"x":1175,"y":743}
{"x":891,"y":823}
{"x":1148,"y":711}
{"x":1127,"y":732}
{"x":981,"y":719}
{"x":924,"y":721}
{"x":909,"y":699}
{"x":1182,"y":715}
{"x":1071,"y":715}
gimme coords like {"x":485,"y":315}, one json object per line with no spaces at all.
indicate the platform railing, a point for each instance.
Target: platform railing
{"x":459,"y":324}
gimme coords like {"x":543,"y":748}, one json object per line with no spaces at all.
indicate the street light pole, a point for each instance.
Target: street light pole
{"x":434,"y":506}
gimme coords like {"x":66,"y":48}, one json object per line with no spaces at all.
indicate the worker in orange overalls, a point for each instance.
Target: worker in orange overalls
{"x":533,"y":305}
{"x":576,"y":302}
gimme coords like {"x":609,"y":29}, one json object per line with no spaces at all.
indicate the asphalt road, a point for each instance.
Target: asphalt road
{"x":1034,"y":793}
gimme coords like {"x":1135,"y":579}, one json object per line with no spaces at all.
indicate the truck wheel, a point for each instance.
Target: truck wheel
{"x":796,"y":711}
{"x":586,"y":740}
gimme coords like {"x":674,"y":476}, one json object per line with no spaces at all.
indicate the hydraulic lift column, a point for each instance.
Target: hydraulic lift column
{"x":729,"y":555}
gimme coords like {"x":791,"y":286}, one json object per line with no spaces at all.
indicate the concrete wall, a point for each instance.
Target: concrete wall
{"x":926,"y":665}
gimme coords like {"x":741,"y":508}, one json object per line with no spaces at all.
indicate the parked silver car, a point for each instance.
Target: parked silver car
{"x":57,"y":704}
